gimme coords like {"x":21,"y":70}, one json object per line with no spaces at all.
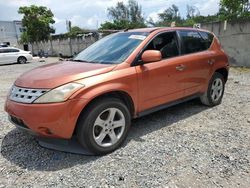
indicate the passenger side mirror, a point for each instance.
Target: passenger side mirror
{"x":150,"y":56}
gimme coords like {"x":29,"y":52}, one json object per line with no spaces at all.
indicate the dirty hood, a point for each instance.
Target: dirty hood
{"x":55,"y":74}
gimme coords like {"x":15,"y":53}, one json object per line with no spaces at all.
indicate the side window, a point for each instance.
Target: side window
{"x":14,"y":50}
{"x":166,"y":43}
{"x":192,"y":42}
{"x":6,"y":50}
{"x":207,"y":38}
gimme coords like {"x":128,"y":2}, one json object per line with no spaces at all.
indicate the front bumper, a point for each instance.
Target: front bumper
{"x":57,"y":120}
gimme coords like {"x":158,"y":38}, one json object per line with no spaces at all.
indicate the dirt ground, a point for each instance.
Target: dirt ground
{"x":188,"y":145}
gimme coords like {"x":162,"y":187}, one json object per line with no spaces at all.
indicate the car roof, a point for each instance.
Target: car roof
{"x":152,"y":29}
{"x":8,"y":47}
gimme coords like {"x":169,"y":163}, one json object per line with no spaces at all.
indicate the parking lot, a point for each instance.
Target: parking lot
{"x":188,"y":145}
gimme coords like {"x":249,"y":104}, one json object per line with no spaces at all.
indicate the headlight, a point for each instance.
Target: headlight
{"x":59,"y":94}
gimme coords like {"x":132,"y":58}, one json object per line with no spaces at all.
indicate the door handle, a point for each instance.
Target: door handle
{"x":180,"y":67}
{"x":211,"y":61}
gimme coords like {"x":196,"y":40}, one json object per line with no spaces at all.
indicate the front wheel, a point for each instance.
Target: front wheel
{"x":215,"y":91}
{"x":104,"y":125}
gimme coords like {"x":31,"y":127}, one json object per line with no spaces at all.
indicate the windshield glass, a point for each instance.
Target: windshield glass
{"x":113,"y":49}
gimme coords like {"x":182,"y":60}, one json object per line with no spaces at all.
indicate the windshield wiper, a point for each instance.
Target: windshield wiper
{"x":78,"y":60}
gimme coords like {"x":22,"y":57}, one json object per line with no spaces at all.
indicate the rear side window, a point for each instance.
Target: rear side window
{"x":207,"y":38}
{"x":192,"y":42}
{"x":14,"y":50}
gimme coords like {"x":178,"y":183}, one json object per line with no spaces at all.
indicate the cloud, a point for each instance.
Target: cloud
{"x":209,"y":7}
{"x":86,"y":13}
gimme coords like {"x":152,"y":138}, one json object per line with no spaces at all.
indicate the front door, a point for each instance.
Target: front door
{"x":160,"y":82}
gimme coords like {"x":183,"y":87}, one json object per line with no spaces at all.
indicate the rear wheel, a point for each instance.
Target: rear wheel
{"x":215,"y":90}
{"x":22,"y":60}
{"x":104,"y":125}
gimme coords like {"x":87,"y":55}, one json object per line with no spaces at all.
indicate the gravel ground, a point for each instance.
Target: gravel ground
{"x":188,"y":145}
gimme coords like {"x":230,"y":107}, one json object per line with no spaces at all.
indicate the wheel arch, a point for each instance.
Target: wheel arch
{"x":119,"y":94}
{"x":223,"y":72}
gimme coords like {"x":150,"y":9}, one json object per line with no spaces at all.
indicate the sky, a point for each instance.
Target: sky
{"x":90,"y":14}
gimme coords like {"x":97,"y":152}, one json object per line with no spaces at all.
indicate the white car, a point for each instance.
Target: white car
{"x":14,"y":55}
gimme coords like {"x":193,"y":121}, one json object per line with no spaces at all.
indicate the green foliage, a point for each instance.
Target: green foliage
{"x":75,"y":31}
{"x":125,"y":16}
{"x":37,"y":20}
{"x":122,"y":24}
{"x":24,"y":38}
{"x":171,"y":14}
{"x":230,"y":10}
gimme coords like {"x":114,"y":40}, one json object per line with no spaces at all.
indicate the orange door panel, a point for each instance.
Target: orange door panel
{"x":159,"y":83}
{"x":196,"y":71}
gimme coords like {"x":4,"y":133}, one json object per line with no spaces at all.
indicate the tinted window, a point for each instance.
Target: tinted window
{"x":14,"y":50}
{"x":166,"y":43}
{"x":207,"y":38}
{"x":112,"y":49}
{"x":192,"y":42}
{"x":5,"y":50}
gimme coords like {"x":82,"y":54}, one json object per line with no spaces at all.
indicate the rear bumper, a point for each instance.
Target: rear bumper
{"x":56,"y":120}
{"x":29,"y":57}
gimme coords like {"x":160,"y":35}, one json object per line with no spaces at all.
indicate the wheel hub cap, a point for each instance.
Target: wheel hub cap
{"x":217,"y":89}
{"x":109,"y":127}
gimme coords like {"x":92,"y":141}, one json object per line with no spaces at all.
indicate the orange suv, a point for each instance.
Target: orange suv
{"x":122,"y":76}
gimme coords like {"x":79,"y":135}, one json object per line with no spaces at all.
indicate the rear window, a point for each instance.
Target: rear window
{"x":193,"y":41}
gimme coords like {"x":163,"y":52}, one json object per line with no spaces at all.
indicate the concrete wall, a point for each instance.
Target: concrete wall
{"x":65,"y":46}
{"x":235,"y":40}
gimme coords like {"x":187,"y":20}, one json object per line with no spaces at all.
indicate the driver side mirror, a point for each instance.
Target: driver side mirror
{"x":150,"y":56}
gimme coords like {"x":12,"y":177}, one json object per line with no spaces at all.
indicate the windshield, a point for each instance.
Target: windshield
{"x":113,"y":49}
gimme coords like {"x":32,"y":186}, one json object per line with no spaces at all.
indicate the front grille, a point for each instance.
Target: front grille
{"x":25,"y":95}
{"x":18,"y":122}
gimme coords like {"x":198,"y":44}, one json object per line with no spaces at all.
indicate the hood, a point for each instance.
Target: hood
{"x":56,"y":74}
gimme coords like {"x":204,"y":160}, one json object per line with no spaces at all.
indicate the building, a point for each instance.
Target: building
{"x":10,"y":32}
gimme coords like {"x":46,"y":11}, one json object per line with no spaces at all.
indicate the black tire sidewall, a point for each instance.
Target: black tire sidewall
{"x":215,"y":76}
{"x":22,"y":58}
{"x":86,"y":123}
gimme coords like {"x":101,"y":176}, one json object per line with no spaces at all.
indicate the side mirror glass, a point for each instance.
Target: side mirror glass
{"x":151,"y":56}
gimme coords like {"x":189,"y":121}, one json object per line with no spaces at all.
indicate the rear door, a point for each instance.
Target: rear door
{"x":196,"y":60}
{"x":3,"y":56}
{"x":12,"y":55}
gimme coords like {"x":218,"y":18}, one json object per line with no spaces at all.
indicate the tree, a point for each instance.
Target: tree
{"x":125,"y":16}
{"x":192,"y":11}
{"x":75,"y":30}
{"x":234,"y":9}
{"x":169,"y":15}
{"x":37,"y":20}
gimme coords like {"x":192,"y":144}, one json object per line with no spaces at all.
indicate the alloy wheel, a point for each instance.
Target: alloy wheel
{"x":216,"y":89}
{"x":109,"y":127}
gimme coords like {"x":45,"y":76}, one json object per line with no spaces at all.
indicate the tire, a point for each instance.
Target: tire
{"x":22,"y":60}
{"x":103,"y":126}
{"x":215,"y":91}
